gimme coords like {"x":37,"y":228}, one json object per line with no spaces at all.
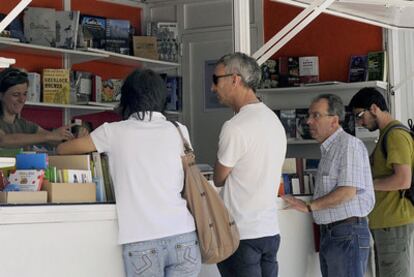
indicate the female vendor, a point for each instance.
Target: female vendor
{"x":14,"y":130}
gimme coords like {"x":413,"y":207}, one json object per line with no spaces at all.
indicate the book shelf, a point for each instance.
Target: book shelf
{"x":301,"y":97}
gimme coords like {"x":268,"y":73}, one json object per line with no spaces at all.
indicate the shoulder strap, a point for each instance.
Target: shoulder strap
{"x":384,"y":138}
{"x":187,"y":148}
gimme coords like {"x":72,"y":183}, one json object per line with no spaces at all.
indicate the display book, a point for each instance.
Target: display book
{"x":369,"y":67}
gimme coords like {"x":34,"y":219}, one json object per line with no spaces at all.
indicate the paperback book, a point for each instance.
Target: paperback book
{"x":40,"y":26}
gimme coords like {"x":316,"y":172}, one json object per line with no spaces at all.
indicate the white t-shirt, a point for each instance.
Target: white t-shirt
{"x":253,"y":143}
{"x":146,"y":169}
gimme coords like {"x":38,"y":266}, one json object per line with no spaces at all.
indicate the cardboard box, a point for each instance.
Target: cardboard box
{"x":145,"y":47}
{"x":23,"y":197}
{"x":71,"y":162}
{"x":70,"y":192}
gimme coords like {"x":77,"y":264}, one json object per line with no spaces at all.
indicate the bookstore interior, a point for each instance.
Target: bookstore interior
{"x":76,"y":54}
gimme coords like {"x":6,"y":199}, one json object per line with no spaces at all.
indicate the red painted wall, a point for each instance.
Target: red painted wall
{"x":331,"y":38}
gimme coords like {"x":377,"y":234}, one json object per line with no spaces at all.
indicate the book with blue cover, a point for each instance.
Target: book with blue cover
{"x":32,"y":161}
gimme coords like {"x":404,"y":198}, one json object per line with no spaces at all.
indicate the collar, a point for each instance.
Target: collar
{"x":330,"y":140}
{"x":156,"y":116}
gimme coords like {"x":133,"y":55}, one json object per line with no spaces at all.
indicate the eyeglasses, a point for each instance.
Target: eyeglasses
{"x":359,"y":115}
{"x":317,"y":116}
{"x":217,"y":77}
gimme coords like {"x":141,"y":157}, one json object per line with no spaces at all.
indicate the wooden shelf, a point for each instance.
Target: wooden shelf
{"x":127,"y":60}
{"x":75,"y":56}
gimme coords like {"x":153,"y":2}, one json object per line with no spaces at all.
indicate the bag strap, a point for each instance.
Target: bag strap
{"x":384,"y":138}
{"x":187,"y":148}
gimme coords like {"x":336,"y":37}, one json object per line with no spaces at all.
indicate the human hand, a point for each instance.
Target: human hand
{"x":61,"y":134}
{"x":82,"y":132}
{"x":295,"y":203}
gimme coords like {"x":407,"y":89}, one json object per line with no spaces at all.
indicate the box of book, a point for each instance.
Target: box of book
{"x":23,"y":197}
{"x":145,"y":47}
{"x":70,"y":192}
{"x":56,"y":86}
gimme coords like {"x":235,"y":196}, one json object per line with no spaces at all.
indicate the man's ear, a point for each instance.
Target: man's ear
{"x":374,"y":109}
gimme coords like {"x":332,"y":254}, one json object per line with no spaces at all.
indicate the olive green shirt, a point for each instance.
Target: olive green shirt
{"x":20,"y":125}
{"x":390,"y":209}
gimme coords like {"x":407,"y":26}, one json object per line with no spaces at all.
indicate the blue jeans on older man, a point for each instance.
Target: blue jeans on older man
{"x":175,"y":256}
{"x":253,"y":258}
{"x":344,"y":249}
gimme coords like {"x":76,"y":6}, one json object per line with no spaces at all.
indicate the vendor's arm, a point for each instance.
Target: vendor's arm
{"x":41,"y":136}
{"x":76,"y":146}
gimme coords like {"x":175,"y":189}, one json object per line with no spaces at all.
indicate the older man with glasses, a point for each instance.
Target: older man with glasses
{"x":392,"y":219}
{"x":344,"y":193}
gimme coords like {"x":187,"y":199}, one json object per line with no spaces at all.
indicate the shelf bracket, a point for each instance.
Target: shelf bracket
{"x":291,"y":30}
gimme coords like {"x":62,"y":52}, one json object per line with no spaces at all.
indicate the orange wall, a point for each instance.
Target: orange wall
{"x":331,"y":38}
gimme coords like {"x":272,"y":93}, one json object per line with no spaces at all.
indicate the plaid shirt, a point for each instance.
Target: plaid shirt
{"x":344,"y":162}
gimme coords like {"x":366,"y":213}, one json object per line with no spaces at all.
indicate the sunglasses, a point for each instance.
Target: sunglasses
{"x":217,"y":77}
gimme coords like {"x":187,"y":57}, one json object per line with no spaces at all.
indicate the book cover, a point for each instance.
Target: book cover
{"x":82,"y":87}
{"x":27,"y":180}
{"x":32,"y":161}
{"x":56,"y":86}
{"x":309,"y":69}
{"x":270,"y":76}
{"x":111,"y":90}
{"x":293,"y":71}
{"x":167,"y":41}
{"x":67,"y":23}
{"x":377,"y":66}
{"x":288,"y":119}
{"x":302,"y":127}
{"x":109,"y":186}
{"x":145,"y":47}
{"x":76,"y":176}
{"x":34,"y":88}
{"x":15,"y":28}
{"x":358,"y":68}
{"x":93,"y":31}
{"x":40,"y":26}
{"x":349,"y":122}
{"x":172,"y":93}
{"x":117,"y":36}
{"x":283,"y":72}
{"x":98,"y":177}
{"x":96,"y":95}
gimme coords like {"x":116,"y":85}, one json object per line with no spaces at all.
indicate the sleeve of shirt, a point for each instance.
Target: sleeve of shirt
{"x":399,"y":148}
{"x":231,"y":145}
{"x":31,"y":127}
{"x":101,"y":138}
{"x":354,"y":165}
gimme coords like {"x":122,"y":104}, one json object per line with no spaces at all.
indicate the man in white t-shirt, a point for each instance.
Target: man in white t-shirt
{"x":252,"y":148}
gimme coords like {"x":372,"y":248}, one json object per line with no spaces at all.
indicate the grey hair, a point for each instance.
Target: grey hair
{"x":243,"y":65}
{"x":335,"y":105}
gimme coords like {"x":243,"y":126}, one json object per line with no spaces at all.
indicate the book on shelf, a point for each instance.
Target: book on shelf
{"x":81,"y":86}
{"x":98,"y":177}
{"x":14,"y":29}
{"x":27,"y":179}
{"x":34,"y":89}
{"x":167,"y":39}
{"x":67,"y":23}
{"x":75,"y":176}
{"x":288,"y":119}
{"x":92,"y":30}
{"x":270,"y":70}
{"x":377,"y":66}
{"x":96,"y":95}
{"x":302,"y":127}
{"x":40,"y":26}
{"x":358,"y":68}
{"x":111,"y":90}
{"x":104,"y":104}
{"x":145,"y":47}
{"x":349,"y":122}
{"x":308,"y":69}
{"x":109,"y":186}
{"x":117,"y":36}
{"x":56,"y":86}
{"x":293,"y":71}
{"x":283,"y":72}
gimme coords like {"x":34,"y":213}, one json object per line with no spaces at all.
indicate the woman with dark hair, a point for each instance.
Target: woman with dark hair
{"x":156,"y":230}
{"x":14,"y":130}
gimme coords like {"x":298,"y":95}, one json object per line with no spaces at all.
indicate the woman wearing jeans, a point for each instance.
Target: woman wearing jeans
{"x":156,"y":230}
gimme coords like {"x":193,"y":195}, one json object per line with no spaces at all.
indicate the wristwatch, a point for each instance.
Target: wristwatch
{"x":308,"y":205}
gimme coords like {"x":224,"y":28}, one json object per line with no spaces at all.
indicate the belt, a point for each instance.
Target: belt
{"x":349,"y":220}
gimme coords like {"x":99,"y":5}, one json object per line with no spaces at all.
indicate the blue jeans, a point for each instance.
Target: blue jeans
{"x":253,"y":258}
{"x":344,"y":249}
{"x":175,"y":256}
